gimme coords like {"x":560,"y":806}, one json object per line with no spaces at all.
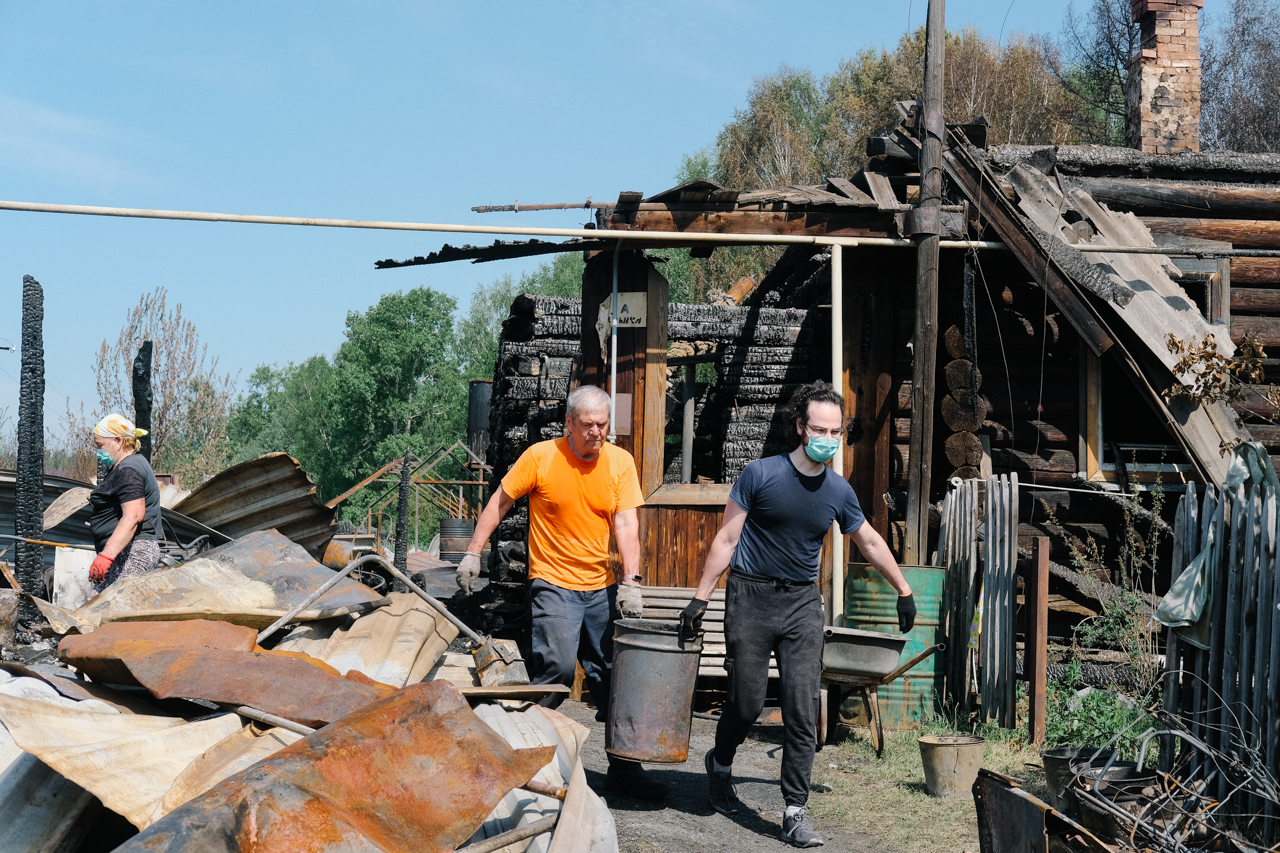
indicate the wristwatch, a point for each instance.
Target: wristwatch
{"x":632,"y":578}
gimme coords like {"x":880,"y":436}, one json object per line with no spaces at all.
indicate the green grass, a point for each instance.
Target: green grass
{"x":885,"y":798}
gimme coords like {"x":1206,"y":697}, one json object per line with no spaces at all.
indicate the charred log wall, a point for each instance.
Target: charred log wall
{"x":142,"y":397}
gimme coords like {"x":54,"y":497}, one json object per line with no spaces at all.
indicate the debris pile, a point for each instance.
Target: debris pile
{"x":1207,"y":800}
{"x":168,"y":705}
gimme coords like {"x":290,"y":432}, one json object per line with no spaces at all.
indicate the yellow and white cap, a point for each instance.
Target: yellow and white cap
{"x":117,"y":426}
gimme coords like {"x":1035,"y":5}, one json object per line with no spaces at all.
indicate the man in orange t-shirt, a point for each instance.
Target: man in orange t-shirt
{"x":581,"y":489}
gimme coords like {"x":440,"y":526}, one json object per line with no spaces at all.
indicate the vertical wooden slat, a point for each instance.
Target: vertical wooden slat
{"x":1272,"y":737}
{"x":1222,"y":657}
{"x":653,"y":444}
{"x":972,"y":591}
{"x":988,"y":610}
{"x":1247,"y":602}
{"x":649,"y":546}
{"x":668,"y":556}
{"x":1233,"y":626}
{"x":1011,"y":600}
{"x":1172,"y":664}
{"x":1262,"y":664}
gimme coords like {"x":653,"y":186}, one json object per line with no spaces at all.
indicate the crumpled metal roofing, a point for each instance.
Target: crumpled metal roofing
{"x":270,"y":492}
{"x":193,"y":666}
{"x":252,"y":581}
{"x":415,"y":771}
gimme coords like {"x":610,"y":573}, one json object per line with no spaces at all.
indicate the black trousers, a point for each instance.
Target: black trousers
{"x":571,"y":626}
{"x":764,"y":615}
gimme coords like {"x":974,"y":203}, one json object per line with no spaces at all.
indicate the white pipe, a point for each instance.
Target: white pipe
{"x":584,"y":233}
{"x":837,"y":379}
{"x":377,"y":225}
{"x":613,"y":354}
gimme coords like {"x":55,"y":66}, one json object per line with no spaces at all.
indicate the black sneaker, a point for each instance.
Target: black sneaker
{"x":798,"y":832}
{"x":724,"y":798}
{"x":630,"y":779}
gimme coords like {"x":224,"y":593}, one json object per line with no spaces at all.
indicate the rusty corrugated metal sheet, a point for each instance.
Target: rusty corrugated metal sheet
{"x":270,"y":492}
{"x":416,"y":771}
{"x":293,"y":687}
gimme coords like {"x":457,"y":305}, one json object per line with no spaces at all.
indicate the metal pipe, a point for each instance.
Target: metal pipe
{"x":272,"y":719}
{"x":46,"y":542}
{"x":314,"y":597}
{"x":545,"y":790}
{"x":837,"y":462}
{"x":613,"y":354}
{"x":511,"y":836}
{"x":381,"y":225}
{"x":690,"y":410}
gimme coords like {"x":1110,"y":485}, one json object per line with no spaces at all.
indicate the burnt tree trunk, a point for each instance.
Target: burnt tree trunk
{"x":142,"y":397}
{"x":29,"y":496}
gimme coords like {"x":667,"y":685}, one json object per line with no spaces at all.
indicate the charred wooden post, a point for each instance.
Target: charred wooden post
{"x":29,"y":494}
{"x":142,"y":397}
{"x":1037,"y":645}
{"x":402,"y":514}
{"x":926,"y":325}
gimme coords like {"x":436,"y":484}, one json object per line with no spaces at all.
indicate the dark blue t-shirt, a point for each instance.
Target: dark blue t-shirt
{"x":788,"y":514}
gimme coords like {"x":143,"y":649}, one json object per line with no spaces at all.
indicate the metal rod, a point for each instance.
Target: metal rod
{"x":313,"y":597}
{"x":690,"y":410}
{"x":511,"y":836}
{"x":545,"y":790}
{"x":416,"y":590}
{"x":47,"y":542}
{"x":837,"y":462}
{"x":613,"y":353}
{"x":897,"y":673}
{"x":272,"y":719}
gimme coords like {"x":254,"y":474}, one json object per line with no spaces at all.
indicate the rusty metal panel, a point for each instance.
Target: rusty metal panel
{"x":417,"y":771}
{"x":270,"y":492}
{"x":290,"y":686}
{"x":1012,"y":821}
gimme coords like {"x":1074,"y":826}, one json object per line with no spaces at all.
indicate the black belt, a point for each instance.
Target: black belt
{"x":779,"y":584}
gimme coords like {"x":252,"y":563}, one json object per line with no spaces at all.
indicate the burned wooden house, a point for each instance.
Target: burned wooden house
{"x":1057,"y":359}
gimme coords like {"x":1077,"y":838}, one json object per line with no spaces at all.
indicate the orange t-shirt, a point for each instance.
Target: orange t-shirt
{"x":571,"y":509}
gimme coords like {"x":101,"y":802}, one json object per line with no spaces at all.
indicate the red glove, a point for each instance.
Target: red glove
{"x":99,"y":567}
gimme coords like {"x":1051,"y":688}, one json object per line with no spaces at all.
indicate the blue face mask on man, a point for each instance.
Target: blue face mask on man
{"x":104,"y":457}
{"x":822,"y":448}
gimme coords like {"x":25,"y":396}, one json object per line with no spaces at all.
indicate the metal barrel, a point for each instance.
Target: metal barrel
{"x":871,"y":604}
{"x":455,"y":536}
{"x":651,"y":701}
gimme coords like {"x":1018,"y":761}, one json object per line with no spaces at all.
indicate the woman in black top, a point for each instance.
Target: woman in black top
{"x":125,"y":506}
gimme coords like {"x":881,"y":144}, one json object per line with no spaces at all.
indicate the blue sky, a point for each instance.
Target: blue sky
{"x":396,"y":111}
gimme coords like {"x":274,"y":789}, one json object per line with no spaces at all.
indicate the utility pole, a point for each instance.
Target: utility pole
{"x":925,"y":354}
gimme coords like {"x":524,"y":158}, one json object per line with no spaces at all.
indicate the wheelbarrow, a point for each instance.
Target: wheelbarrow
{"x":863,"y":661}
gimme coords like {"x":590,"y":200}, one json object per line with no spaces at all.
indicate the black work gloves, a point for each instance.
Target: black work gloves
{"x":691,"y":620}
{"x":906,"y":612}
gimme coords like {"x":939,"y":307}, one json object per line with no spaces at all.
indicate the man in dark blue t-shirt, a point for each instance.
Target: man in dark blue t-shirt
{"x":778,"y":513}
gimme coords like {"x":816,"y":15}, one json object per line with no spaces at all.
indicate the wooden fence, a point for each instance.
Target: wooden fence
{"x":978,"y":546}
{"x":1229,"y":694}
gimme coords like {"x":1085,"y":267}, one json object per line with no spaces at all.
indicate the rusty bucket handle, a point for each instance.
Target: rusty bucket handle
{"x":897,"y":673}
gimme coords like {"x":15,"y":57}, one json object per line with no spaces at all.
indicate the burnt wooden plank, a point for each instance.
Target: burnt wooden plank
{"x":844,"y":222}
{"x":1240,"y":233}
{"x":881,"y":190}
{"x":1246,"y":271}
{"x":1253,"y":300}
{"x":1266,"y":329}
{"x":1161,"y":198}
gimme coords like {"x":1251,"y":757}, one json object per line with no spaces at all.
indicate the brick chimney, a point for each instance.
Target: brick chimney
{"x":1162,"y":92}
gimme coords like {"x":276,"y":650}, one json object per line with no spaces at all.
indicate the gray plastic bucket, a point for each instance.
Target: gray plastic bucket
{"x":651,"y":700}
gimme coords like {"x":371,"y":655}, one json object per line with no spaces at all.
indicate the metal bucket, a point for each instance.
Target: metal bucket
{"x":951,"y":764}
{"x":872,"y":605}
{"x":651,"y":701}
{"x":1060,"y":766}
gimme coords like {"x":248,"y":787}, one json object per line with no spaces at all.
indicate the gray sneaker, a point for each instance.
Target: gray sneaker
{"x":798,"y":832}
{"x":723,"y":798}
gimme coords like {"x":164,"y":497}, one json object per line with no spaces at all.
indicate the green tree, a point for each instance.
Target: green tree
{"x":1090,"y":61}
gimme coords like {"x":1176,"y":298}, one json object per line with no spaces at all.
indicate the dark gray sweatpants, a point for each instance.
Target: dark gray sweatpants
{"x":570,"y":626}
{"x":764,"y":615}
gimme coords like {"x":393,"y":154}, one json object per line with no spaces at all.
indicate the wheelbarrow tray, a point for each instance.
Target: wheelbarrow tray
{"x":861,"y":654}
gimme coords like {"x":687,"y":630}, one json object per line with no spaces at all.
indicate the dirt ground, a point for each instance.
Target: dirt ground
{"x":686,"y":820}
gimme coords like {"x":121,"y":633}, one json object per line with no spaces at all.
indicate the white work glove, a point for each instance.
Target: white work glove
{"x":630,"y":601}
{"x":468,"y":573}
